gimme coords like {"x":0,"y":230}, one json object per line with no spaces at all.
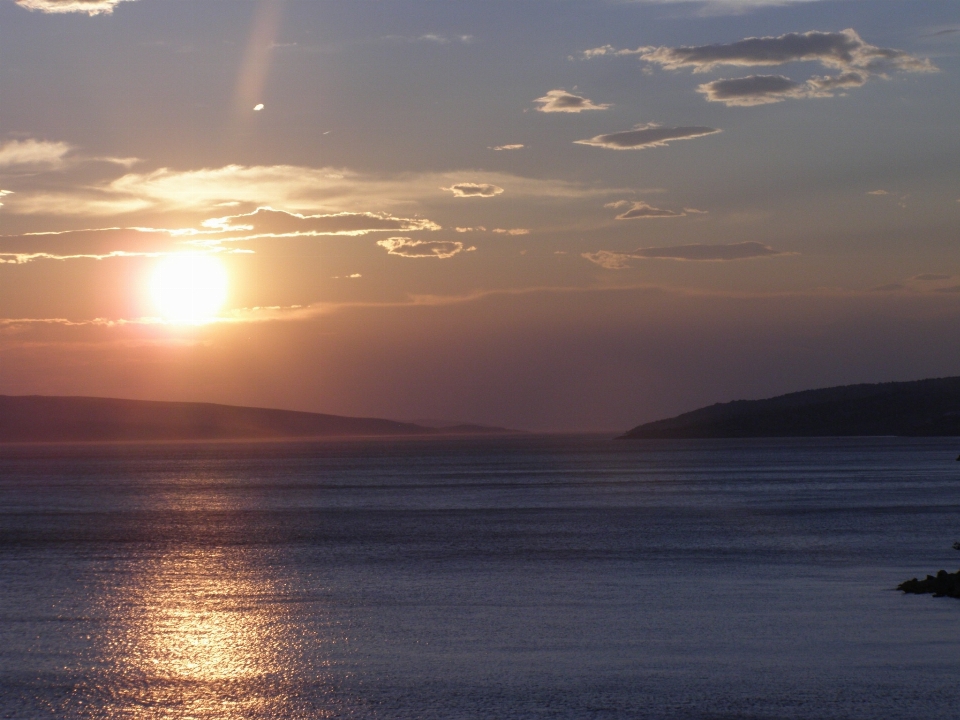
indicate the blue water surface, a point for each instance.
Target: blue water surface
{"x":487,"y":578}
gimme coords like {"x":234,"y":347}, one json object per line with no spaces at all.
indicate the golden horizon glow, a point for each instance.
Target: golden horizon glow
{"x":189,"y":288}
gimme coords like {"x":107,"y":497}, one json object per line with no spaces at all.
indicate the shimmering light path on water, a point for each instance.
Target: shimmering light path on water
{"x":555,"y":577}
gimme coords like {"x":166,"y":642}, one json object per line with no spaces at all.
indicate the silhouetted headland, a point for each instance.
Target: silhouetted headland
{"x":36,"y":418}
{"x":923,"y":408}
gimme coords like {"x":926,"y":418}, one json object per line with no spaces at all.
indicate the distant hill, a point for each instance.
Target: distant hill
{"x":461,"y":428}
{"x":924,"y":408}
{"x":36,"y":418}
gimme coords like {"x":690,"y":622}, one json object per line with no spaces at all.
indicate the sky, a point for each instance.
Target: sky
{"x":543,"y":214}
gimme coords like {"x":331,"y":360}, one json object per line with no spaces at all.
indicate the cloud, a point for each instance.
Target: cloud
{"x":766,"y":89}
{"x":641,"y":210}
{"x":753,"y":90}
{"x":267,"y":222}
{"x":565,"y":102}
{"x":516,"y":146}
{"x":90,"y":7}
{"x":444,"y":40}
{"x":928,"y":277}
{"x":891,"y":287}
{"x":878,"y":192}
{"x":434,"y":38}
{"x":646,"y":136}
{"x":824,"y":86}
{"x":293,"y":188}
{"x":845,"y":51}
{"x":33,"y":153}
{"x":103,"y":244}
{"x":408,"y":248}
{"x":499,"y":231}
{"x":733,"y":251}
{"x":709,"y":8}
{"x":470,"y":189}
{"x":609,"y":260}
{"x":23,"y":258}
{"x":611,"y":50}
{"x":693,"y":253}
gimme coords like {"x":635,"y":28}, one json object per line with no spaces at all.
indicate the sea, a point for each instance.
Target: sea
{"x":487,"y":578}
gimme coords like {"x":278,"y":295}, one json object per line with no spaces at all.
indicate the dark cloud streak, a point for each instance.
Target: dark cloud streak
{"x":688,"y":253}
{"x":844,"y":50}
{"x":646,"y":136}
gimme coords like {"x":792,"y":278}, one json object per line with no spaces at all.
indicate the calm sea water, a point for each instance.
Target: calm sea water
{"x":542,"y":577}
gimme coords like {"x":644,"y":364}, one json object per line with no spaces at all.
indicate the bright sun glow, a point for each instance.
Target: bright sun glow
{"x":190,"y":288}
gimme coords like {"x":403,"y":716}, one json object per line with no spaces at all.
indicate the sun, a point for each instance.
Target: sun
{"x":189,"y":288}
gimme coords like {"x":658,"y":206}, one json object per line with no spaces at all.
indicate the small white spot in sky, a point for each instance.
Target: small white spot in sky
{"x":258,"y":107}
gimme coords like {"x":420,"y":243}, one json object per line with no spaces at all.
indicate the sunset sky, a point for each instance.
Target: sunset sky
{"x":544,"y":214}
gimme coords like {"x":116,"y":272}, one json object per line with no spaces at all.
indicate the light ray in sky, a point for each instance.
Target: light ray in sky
{"x":256,"y":62}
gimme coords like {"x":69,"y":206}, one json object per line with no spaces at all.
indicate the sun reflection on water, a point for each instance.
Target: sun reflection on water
{"x":199,"y":640}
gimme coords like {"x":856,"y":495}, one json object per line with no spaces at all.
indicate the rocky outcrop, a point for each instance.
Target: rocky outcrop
{"x":943,"y":584}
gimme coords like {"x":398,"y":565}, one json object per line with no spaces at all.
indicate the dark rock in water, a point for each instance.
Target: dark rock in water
{"x":944,"y":584}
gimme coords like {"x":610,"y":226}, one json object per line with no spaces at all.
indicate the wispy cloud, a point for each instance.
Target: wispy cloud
{"x":691,"y":253}
{"x":924,"y":283}
{"x":725,"y":7}
{"x":292,"y":188}
{"x":641,"y":210}
{"x":409,"y":248}
{"x":516,"y":146}
{"x":647,"y":136}
{"x":435,"y":38}
{"x":33,"y":153}
{"x":469,"y":189}
{"x":511,"y":231}
{"x":946,"y":31}
{"x":267,"y":222}
{"x":561,"y":101}
{"x":88,"y":7}
{"x":23,"y":258}
{"x":610,"y":50}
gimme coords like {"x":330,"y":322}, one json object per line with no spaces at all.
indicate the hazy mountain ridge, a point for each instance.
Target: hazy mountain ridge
{"x":922,"y":408}
{"x":37,"y":418}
